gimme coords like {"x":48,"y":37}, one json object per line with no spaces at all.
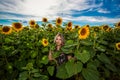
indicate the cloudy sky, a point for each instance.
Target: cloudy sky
{"x":92,"y":12}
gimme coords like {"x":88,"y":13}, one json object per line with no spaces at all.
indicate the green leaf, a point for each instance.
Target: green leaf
{"x":73,"y":67}
{"x":45,"y":50}
{"x":84,"y":56}
{"x":44,"y":60}
{"x":23,"y":75}
{"x":69,"y":42}
{"x":62,"y":72}
{"x":50,"y":69}
{"x":37,"y":74}
{"x":111,"y":67}
{"x":78,"y":67}
{"x":8,"y":40}
{"x":102,"y":57}
{"x":90,"y":74}
{"x":86,"y":43}
{"x":101,"y":48}
{"x":56,"y":54}
{"x":34,"y":70}
{"x":70,"y":68}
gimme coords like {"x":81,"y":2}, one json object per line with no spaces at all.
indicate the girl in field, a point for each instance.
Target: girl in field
{"x":62,"y":58}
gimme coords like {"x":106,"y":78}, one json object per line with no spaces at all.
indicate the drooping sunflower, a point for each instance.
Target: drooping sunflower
{"x":118,"y":46}
{"x":87,"y":26}
{"x":69,"y":28}
{"x":44,"y":42}
{"x":0,"y":29}
{"x":96,"y":29}
{"x":32,"y":23}
{"x":44,"y":20}
{"x":6,"y":30}
{"x":76,"y":27}
{"x":36,"y":26}
{"x":50,"y":26}
{"x":105,"y":27}
{"x":84,"y":32}
{"x":58,"y":21}
{"x":117,"y":25}
{"x":17,"y":26}
{"x":109,"y":29}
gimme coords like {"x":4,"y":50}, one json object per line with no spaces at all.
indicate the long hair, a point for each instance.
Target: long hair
{"x":62,"y":38}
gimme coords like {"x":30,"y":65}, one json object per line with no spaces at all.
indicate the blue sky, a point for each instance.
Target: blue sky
{"x":92,"y":12}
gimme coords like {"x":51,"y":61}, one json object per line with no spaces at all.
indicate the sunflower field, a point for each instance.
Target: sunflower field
{"x":24,"y":51}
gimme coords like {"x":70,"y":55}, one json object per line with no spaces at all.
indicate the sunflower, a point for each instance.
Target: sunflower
{"x":69,"y":28}
{"x":118,"y":46}
{"x":44,"y":42}
{"x":17,"y":26}
{"x":118,"y":25}
{"x":105,"y":27}
{"x":96,"y":29}
{"x":0,"y":29}
{"x":44,"y":20}
{"x":109,"y":29}
{"x":6,"y":30}
{"x":83,"y":32}
{"x":58,"y":21}
{"x":87,"y":26}
{"x":50,"y":26}
{"x":36,"y":26}
{"x":69,"y":24}
{"x":77,"y":27}
{"x":32,"y":23}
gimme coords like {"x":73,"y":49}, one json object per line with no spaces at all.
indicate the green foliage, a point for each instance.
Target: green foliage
{"x":23,"y":57}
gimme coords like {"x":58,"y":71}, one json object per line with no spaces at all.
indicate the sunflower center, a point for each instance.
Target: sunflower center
{"x":49,"y":25}
{"x":69,"y":24}
{"x":87,"y":25}
{"x":58,"y":21}
{"x":83,"y":31}
{"x":44,"y":20}
{"x":32,"y":23}
{"x":118,"y":45}
{"x":45,"y":42}
{"x":6,"y":29}
{"x":119,"y":24}
{"x":105,"y":27}
{"x":18,"y":25}
{"x":76,"y":26}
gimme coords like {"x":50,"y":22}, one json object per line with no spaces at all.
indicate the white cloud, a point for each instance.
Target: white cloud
{"x":45,"y":7}
{"x":103,"y":11}
{"x":93,"y":19}
{"x":52,"y":9}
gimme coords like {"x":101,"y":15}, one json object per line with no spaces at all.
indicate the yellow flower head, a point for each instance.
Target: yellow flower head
{"x":32,"y":23}
{"x":83,"y":32}
{"x":69,"y":28}
{"x":105,"y":27}
{"x":44,"y":42}
{"x":117,"y":25}
{"x":6,"y":30}
{"x":36,"y":26}
{"x":17,"y":26}
{"x":118,"y":46}
{"x":58,"y":21}
{"x":44,"y":20}
{"x":50,"y":26}
{"x":69,"y":24}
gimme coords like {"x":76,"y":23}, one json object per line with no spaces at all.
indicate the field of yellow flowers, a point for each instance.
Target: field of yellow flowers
{"x":24,"y":51}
